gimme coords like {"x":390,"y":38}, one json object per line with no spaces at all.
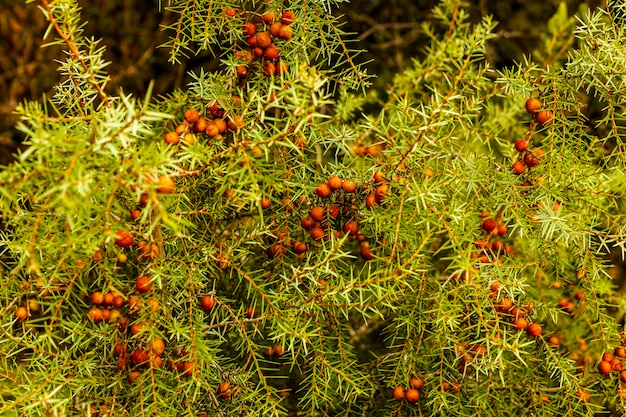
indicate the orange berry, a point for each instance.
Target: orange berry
{"x":322,"y":190}
{"x":604,"y":367}
{"x":212,"y":130}
{"x":272,"y":53}
{"x":307,"y":223}
{"x":412,"y":395}
{"x":416,"y":383}
{"x":335,"y":182}
{"x":532,"y":105}
{"x":97,"y":298}
{"x":287,"y":18}
{"x":107,"y":298}
{"x":398,"y":393}
{"x":143,"y":284}
{"x":299,"y":247}
{"x":269,"y":17}
{"x":351,"y":227}
{"x":544,"y":116}
{"x":172,"y":138}
{"x":518,"y":167}
{"x":158,"y":346}
{"x":521,"y":145}
{"x":221,"y":125}
{"x":349,"y":186}
{"x":269,"y":67}
{"x":317,"y":213}
{"x":275,"y":28}
{"x":123,"y":239}
{"x":282,"y":68}
{"x":534,"y":329}
{"x":200,"y":125}
{"x":191,"y":116}
{"x":95,"y":315}
{"x":230,"y":12}
{"x":263,"y":40}
{"x":249,"y":29}
{"x":317,"y":233}
{"x":166,"y":185}
{"x":189,"y":139}
{"x":140,"y":356}
{"x":207,"y":302}
{"x":521,"y":323}
{"x":21,"y":313}
{"x":285,"y":32}
{"x":242,"y":71}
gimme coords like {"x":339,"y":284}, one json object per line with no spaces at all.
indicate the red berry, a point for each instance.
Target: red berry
{"x":272,"y":53}
{"x":317,"y":233}
{"x":265,"y":203}
{"x":140,"y":356}
{"x":349,"y":186}
{"x":398,"y":393}
{"x":335,"y":182}
{"x":518,"y":167}
{"x":521,"y":323}
{"x":287,"y":18}
{"x":521,"y":145}
{"x":124,"y":239}
{"x":299,"y":247}
{"x":317,"y":213}
{"x":544,"y":116}
{"x":530,"y":160}
{"x":97,"y":298}
{"x":143,"y":284}
{"x":249,"y":29}
{"x":489,"y":225}
{"x":605,"y":367}
{"x":275,"y":28}
{"x":207,"y":302}
{"x":307,"y":223}
{"x":191,"y":116}
{"x":263,"y":40}
{"x":95,"y":315}
{"x":269,"y":17}
{"x":322,"y":190}
{"x":532,"y":105}
{"x":412,"y":395}
{"x":534,"y":329}
{"x":351,"y":227}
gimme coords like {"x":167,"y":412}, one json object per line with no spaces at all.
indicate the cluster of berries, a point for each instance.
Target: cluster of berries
{"x":337,"y":214}
{"x":261,"y":40}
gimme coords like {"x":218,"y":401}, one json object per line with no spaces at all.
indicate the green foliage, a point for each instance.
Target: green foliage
{"x":402,"y":278}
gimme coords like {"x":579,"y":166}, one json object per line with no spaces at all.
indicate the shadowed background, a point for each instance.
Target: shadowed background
{"x":131,"y":30}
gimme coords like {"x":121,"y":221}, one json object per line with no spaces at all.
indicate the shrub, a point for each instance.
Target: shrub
{"x":260,"y":244}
